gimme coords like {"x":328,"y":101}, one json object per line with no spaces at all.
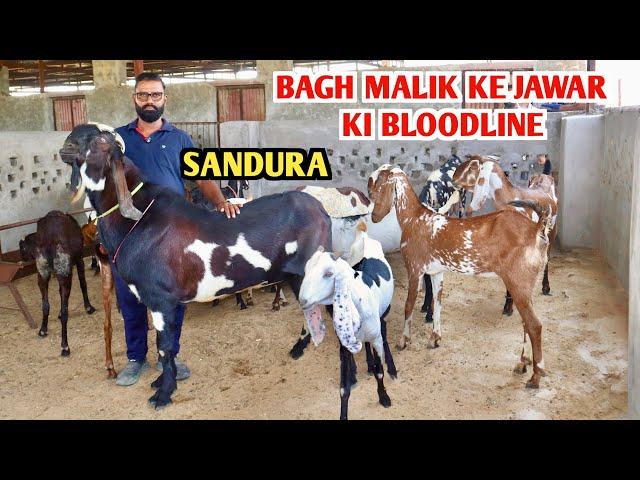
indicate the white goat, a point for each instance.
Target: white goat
{"x":361,"y":298}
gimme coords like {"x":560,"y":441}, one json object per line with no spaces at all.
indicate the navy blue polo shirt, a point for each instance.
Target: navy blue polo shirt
{"x":158,"y":156}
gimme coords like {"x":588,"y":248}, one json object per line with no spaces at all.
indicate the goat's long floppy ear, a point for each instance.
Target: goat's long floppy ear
{"x":124,"y":196}
{"x":315,"y":324}
{"x":356,"y":252}
{"x":483,"y":188}
{"x":346,"y":320}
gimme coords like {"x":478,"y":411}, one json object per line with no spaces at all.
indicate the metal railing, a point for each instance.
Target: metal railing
{"x":203,"y":134}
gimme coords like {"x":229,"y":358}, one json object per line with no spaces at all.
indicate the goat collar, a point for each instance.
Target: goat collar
{"x":117,"y":205}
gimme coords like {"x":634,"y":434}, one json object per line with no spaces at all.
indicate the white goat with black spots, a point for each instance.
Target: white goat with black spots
{"x":361,"y":298}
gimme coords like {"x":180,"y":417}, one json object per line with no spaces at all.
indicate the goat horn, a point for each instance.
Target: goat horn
{"x":79,"y":193}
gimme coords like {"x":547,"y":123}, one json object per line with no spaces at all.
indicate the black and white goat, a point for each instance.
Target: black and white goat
{"x":439,"y":193}
{"x":361,"y":299}
{"x":347,"y":207}
{"x":170,"y":251}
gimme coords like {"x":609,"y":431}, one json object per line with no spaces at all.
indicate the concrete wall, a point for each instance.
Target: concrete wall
{"x":29,"y":163}
{"x":634,"y":289}
{"x":34,"y":112}
{"x":190,"y":102}
{"x":616,"y":177}
{"x":353,"y":161}
{"x":580,"y":159}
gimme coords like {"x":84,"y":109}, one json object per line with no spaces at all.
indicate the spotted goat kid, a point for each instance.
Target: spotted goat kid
{"x":505,"y":243}
{"x":361,"y":298}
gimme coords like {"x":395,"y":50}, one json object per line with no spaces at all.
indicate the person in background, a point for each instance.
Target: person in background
{"x":543,"y":159}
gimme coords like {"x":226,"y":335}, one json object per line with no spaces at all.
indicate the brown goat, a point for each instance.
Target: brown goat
{"x":486,"y":180}
{"x":505,"y":243}
{"x":56,"y":247}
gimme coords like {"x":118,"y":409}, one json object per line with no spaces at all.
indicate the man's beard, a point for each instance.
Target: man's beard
{"x":149,"y":116}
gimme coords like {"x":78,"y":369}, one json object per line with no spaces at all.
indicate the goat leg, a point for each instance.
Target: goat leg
{"x":298,"y":349}
{"x":83,"y":286}
{"x":107,"y":285}
{"x":388,"y":358}
{"x":412,"y":293}
{"x":43,"y":284}
{"x":280,"y":294}
{"x":240,"y":301}
{"x":166,"y":382}
{"x":345,"y":381}
{"x":64,"y":283}
{"x":436,"y":285}
{"x":546,"y":288}
{"x":383,"y":397}
{"x":370,"y":362}
{"x":508,"y":305}
{"x":427,"y":306}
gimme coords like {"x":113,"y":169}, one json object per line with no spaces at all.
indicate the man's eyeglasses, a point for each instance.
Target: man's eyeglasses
{"x":144,"y":96}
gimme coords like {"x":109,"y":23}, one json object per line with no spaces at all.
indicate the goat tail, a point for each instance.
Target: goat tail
{"x":544,"y":215}
{"x":362,"y":226}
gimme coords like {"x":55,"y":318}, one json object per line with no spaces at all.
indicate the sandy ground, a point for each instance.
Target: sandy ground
{"x":241,"y":369}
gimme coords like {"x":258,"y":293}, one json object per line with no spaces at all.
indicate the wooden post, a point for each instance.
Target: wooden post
{"x":41,"y":75}
{"x":138,"y":67}
{"x":22,"y":305}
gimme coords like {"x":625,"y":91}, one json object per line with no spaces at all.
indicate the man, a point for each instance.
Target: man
{"x":543,"y":159}
{"x":154,"y":146}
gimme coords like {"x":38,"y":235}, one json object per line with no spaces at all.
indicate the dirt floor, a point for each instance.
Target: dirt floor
{"x":241,"y":368}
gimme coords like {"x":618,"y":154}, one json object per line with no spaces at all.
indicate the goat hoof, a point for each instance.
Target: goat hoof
{"x":157,"y":382}
{"x":546,"y":292}
{"x":65,"y":352}
{"x":284,"y":304}
{"x":520,"y":368}
{"x":402,"y":343}
{"x":534,"y":382}
{"x":243,"y":306}
{"x":159,"y":400}
{"x":111,"y":373}
{"x":215,"y":303}
{"x":526,"y":360}
{"x":433,"y":341}
{"x":90,"y":310}
{"x":384,"y":399}
{"x":42,"y":333}
{"x":393,"y":374}
{"x":275,"y":307}
{"x":296,"y":352}
{"x":428,"y":318}
{"x":250,"y":303}
{"x":507,"y":312}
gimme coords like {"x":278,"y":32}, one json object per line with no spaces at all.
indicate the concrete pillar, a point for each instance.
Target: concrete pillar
{"x":560,"y":65}
{"x":265,"y":69}
{"x":109,"y":73}
{"x":634,"y":289}
{"x":4,"y":81}
{"x":581,"y":154}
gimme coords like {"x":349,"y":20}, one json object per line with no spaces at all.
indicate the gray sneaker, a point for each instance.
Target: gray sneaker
{"x":131,"y":373}
{"x":182,"y":372}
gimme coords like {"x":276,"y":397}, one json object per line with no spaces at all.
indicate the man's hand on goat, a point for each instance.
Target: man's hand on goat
{"x":229,"y":209}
